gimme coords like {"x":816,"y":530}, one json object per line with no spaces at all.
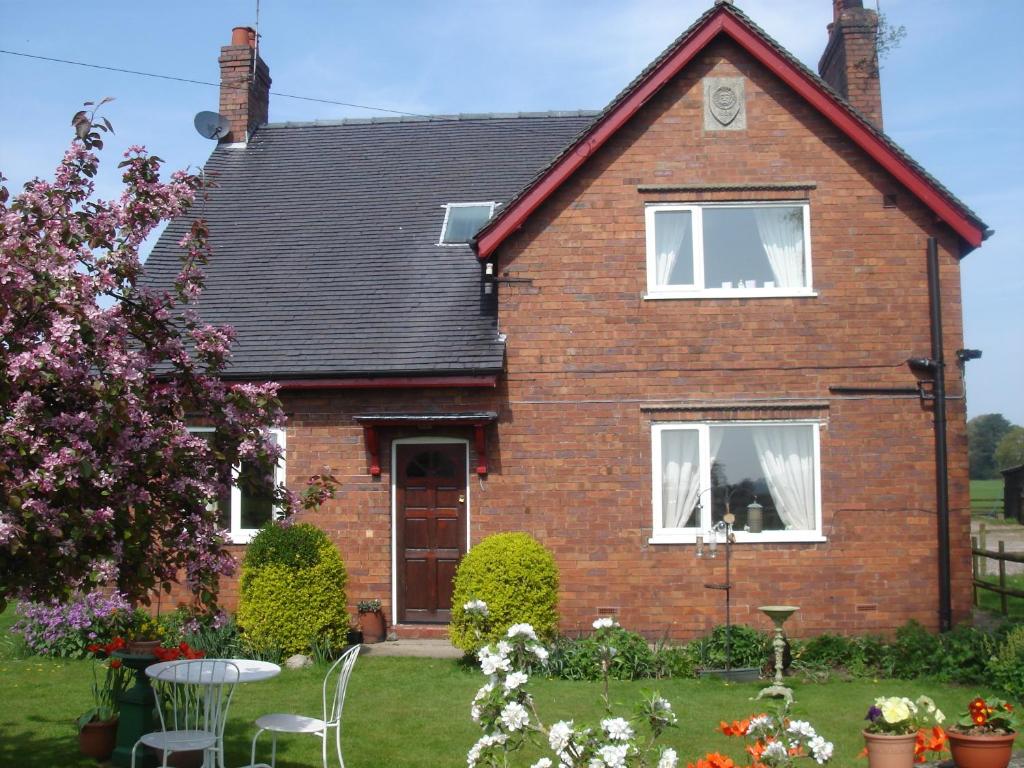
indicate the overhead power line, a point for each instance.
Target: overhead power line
{"x":207,"y":83}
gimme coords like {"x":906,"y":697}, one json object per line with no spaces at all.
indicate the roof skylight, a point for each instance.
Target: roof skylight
{"x":463,"y":220}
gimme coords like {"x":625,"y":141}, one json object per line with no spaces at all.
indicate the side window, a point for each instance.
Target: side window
{"x":248,"y":507}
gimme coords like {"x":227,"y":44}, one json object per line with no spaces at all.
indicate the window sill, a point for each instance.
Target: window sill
{"x":777,"y":537}
{"x":734,"y":293}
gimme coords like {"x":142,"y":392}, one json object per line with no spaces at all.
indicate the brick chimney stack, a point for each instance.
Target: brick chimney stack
{"x":244,"y":97}
{"x":850,"y":61}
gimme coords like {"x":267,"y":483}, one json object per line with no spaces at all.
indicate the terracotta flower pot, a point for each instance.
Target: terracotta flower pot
{"x":988,"y":750}
{"x":97,"y":739}
{"x":372,"y":626}
{"x":142,"y":647}
{"x":890,"y":750}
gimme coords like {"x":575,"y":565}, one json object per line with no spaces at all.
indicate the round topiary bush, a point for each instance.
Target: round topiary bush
{"x":517,"y":578}
{"x":293,"y":590}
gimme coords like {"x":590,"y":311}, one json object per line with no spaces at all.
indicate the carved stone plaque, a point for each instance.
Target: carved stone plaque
{"x":724,"y":104}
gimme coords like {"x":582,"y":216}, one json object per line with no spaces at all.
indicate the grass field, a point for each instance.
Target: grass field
{"x":415,"y":712}
{"x":986,"y":496}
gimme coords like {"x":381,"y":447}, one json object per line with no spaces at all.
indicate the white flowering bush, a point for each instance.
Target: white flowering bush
{"x":506,"y":713}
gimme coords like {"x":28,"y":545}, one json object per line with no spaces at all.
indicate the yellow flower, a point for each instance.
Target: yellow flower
{"x":895,"y":710}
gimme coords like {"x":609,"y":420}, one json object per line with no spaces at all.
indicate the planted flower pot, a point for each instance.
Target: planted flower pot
{"x":371,"y":623}
{"x":986,"y":750}
{"x":890,"y":750}
{"x":97,"y":739}
{"x":142,"y":647}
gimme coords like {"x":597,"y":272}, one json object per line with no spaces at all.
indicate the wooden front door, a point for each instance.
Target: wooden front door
{"x":430,"y":490}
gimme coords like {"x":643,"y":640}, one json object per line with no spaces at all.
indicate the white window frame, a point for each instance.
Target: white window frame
{"x":698,"y":290}
{"x":238,"y":534}
{"x":447,"y":209}
{"x":664,"y":535}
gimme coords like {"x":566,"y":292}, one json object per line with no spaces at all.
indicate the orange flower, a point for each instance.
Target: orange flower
{"x":115,"y":664}
{"x":933,"y":742}
{"x":756,"y":749}
{"x":713,"y":760}
{"x":735,"y":728}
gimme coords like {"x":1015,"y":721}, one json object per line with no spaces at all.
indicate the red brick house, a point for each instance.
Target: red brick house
{"x":607,"y":329}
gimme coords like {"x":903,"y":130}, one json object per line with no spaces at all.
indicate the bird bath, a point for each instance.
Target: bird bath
{"x":778,"y":614}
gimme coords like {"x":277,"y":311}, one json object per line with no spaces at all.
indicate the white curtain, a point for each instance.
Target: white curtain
{"x":786,"y":455}
{"x":671,"y":239}
{"x":782,"y":237}
{"x":680,"y":476}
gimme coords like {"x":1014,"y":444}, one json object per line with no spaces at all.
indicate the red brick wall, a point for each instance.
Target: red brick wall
{"x":589,"y":358}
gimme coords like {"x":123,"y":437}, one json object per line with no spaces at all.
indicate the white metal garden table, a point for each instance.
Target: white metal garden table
{"x":248,"y":671}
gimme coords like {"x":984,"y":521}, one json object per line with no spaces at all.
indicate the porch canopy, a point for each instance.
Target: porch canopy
{"x":372,"y":422}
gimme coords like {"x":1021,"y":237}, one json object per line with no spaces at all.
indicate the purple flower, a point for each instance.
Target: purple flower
{"x":874,"y":713}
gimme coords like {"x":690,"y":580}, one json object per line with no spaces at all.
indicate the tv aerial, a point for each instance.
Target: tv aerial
{"x":212,"y":125}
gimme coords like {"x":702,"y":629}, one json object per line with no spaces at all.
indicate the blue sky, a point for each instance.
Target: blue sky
{"x":952,"y":92}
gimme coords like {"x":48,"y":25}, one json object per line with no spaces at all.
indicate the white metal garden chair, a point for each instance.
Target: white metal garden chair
{"x":335,"y":684}
{"x":192,"y":700}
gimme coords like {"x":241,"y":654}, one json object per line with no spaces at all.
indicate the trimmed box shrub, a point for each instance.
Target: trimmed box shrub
{"x":517,"y":578}
{"x":292,"y":590}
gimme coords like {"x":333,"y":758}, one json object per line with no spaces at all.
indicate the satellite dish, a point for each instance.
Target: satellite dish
{"x":212,"y":125}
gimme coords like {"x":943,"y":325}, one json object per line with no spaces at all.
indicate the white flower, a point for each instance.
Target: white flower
{"x":821,"y":750}
{"x":759,"y":722}
{"x":483,"y":692}
{"x":514,"y":716}
{"x":544,"y":762}
{"x":515,"y":680}
{"x":669,"y":758}
{"x":927,"y":703}
{"x":775,"y":749}
{"x":617,"y":728}
{"x":476,"y":606}
{"x":491,"y":663}
{"x":661,"y":708}
{"x":540,"y":652}
{"x":614,"y":755}
{"x":525,"y":630}
{"x":474,"y":713}
{"x":483,"y":743}
{"x":560,"y":736}
{"x":504,"y":648}
{"x":801,"y":728}
{"x":605,"y":622}
{"x":939,"y":717}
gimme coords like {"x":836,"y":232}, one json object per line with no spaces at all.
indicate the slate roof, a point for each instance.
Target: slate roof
{"x":324,"y":235}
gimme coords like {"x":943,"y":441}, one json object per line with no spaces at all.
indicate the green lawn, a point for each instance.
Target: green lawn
{"x":986,"y":496}
{"x":415,"y":712}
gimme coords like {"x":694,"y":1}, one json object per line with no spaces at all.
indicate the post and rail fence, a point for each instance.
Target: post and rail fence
{"x":980,"y":557}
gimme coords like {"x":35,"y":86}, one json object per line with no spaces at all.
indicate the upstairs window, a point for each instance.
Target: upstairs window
{"x":728,"y":250}
{"x":463,"y":220}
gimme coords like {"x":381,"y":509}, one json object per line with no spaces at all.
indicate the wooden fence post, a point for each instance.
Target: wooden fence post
{"x":974,"y":568}
{"x":1002,"y":579}
{"x":983,"y":544}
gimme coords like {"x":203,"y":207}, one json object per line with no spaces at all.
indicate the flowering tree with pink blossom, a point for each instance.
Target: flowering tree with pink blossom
{"x":100,"y":480}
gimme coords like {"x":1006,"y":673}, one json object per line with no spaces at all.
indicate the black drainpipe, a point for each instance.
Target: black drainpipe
{"x":941,"y":468}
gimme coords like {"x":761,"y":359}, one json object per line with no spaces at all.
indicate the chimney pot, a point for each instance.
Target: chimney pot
{"x":243,"y":36}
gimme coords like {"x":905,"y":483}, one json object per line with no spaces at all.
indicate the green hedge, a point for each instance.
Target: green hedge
{"x":517,"y":578}
{"x":293,"y":590}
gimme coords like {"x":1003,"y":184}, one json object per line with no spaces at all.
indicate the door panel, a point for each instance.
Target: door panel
{"x":430,"y":501}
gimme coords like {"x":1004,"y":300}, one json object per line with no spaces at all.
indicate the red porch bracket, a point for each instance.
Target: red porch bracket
{"x":480,"y":443}
{"x":373,"y":446}
{"x":372,"y":422}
